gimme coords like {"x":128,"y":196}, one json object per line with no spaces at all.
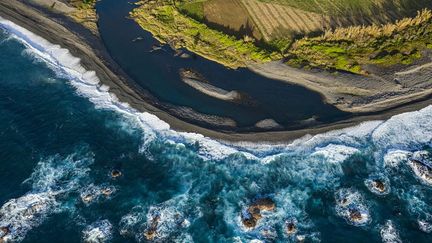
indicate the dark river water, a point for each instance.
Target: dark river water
{"x":158,"y":72}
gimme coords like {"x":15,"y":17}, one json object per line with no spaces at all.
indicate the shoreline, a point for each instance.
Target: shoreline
{"x":94,"y":57}
{"x":352,"y":93}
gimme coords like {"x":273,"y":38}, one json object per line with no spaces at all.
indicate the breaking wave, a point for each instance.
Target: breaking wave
{"x":54,"y":178}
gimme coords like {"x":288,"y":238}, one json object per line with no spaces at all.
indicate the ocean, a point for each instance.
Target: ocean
{"x":77,"y":165}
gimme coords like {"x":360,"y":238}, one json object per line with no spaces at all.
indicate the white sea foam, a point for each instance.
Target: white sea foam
{"x":335,"y":153}
{"x":405,"y":131}
{"x":425,"y":226}
{"x":401,"y":131}
{"x":162,"y":222}
{"x":395,"y":158}
{"x":389,"y":234}
{"x":20,"y":215}
{"x":351,"y":205}
{"x":93,"y":193}
{"x":53,"y":177}
{"x":98,"y":232}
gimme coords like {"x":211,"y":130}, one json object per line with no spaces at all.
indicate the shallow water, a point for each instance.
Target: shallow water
{"x":62,"y":134}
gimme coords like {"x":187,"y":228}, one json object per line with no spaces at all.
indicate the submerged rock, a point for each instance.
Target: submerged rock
{"x":115,"y":173}
{"x":291,"y":226}
{"x":355,"y":215}
{"x":423,"y":170}
{"x":350,"y":206}
{"x":253,"y":213}
{"x":151,"y":232}
{"x":93,"y":193}
{"x":107,"y":191}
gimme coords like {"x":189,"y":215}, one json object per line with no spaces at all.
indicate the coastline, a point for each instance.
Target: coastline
{"x":354,"y":93}
{"x":94,"y":57}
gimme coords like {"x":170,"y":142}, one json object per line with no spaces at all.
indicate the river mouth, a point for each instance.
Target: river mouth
{"x":156,"y":70}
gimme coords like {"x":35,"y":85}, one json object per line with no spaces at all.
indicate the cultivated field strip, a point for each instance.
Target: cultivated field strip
{"x":277,"y":21}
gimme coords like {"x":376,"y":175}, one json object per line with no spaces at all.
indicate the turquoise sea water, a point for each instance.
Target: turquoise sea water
{"x":62,"y":134}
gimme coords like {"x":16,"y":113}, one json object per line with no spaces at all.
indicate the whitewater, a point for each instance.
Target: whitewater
{"x":334,"y":172}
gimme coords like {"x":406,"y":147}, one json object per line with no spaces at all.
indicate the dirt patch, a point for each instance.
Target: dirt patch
{"x":230,"y":16}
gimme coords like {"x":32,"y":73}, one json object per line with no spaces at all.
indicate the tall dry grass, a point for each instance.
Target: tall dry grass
{"x":363,"y":33}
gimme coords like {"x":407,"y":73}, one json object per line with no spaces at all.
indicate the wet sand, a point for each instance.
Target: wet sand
{"x":89,"y":48}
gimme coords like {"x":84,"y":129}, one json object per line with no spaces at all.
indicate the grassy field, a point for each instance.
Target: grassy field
{"x":207,"y":26}
{"x":330,"y":6}
{"x":85,"y":13}
{"x":349,"y":48}
{"x":166,"y":22}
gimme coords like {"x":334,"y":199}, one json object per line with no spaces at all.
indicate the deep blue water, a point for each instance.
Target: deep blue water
{"x":61,"y":135}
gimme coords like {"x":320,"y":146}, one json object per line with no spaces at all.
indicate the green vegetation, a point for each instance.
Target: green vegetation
{"x":193,"y":9}
{"x":169,"y":25}
{"x":180,"y":23}
{"x":85,"y":14}
{"x":83,"y":4}
{"x":350,"y":48}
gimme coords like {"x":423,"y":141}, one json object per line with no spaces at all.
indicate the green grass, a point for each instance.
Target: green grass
{"x":384,"y":46}
{"x":168,"y":24}
{"x":349,"y":49}
{"x":194,"y":9}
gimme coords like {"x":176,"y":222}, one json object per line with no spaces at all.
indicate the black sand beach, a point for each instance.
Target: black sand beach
{"x":89,"y":48}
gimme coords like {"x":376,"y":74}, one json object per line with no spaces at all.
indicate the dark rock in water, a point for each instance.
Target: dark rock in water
{"x":87,"y":198}
{"x":115,"y":173}
{"x":253,"y":213}
{"x":249,"y":222}
{"x":151,"y":231}
{"x":422,"y":170}
{"x":107,"y":191}
{"x":291,"y":227}
{"x":379,"y":185}
{"x":355,"y":215}
{"x":266,"y":204}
